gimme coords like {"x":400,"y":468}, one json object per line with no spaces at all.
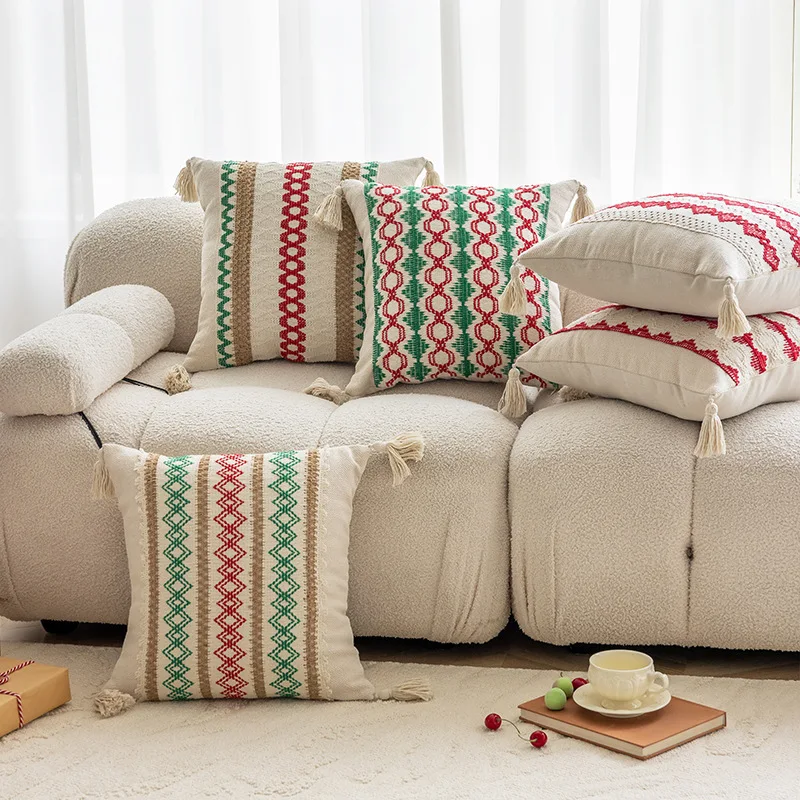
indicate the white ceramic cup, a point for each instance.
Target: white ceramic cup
{"x":623,"y":677}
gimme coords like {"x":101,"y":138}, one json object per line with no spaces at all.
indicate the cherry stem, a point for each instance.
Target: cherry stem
{"x":524,"y":738}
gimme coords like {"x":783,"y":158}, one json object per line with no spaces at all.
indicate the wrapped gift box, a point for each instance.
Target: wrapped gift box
{"x":40,"y":687}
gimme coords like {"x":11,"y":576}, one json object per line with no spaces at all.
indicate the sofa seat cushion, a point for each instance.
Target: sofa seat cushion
{"x":619,"y":535}
{"x":281,"y":374}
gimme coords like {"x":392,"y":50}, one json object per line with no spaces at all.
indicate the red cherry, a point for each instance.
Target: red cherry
{"x":538,"y":739}
{"x":493,"y":722}
{"x":578,"y":682}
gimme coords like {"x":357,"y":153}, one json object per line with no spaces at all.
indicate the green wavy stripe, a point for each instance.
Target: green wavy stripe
{"x":224,"y":343}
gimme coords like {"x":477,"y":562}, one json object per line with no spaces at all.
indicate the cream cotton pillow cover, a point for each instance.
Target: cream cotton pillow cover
{"x":275,"y":283}
{"x":239,"y":574}
{"x":444,"y":297}
{"x":675,"y":364}
{"x":708,"y":255}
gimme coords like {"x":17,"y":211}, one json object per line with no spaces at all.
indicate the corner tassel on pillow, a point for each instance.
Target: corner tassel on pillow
{"x":513,"y":403}
{"x":431,"y":176}
{"x":513,"y":299}
{"x":329,"y":211}
{"x":404,"y":448}
{"x":112,"y":703}
{"x":177,"y":380}
{"x":583,"y":205}
{"x":102,"y":487}
{"x":185,"y":186}
{"x":732,"y":321}
{"x":327,"y":391}
{"x":711,"y":441}
{"x":408,"y":691}
{"x":570,"y":393}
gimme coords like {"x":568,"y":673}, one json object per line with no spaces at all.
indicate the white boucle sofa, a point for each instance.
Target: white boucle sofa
{"x":593,"y":515}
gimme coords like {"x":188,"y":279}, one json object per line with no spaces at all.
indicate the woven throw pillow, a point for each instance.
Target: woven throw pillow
{"x":439,"y":271}
{"x":239,"y":573}
{"x":675,"y":364}
{"x":707,"y":255}
{"x":275,"y":283}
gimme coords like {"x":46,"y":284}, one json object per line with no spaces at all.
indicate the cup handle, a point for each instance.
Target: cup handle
{"x":659,"y":682}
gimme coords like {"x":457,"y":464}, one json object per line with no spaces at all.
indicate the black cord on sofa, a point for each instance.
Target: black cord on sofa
{"x":95,"y":435}
{"x":148,"y":385}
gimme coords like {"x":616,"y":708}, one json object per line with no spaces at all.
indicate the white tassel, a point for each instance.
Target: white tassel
{"x":431,"y":176}
{"x":513,"y":300}
{"x":112,"y":702}
{"x":711,"y":441}
{"x":327,"y":391}
{"x":513,"y":403}
{"x":732,"y":321}
{"x":583,"y":205}
{"x":570,"y":393}
{"x":177,"y":380}
{"x":408,"y":691}
{"x":404,"y":448}
{"x":329,"y":211}
{"x":185,"y":186}
{"x":102,"y":487}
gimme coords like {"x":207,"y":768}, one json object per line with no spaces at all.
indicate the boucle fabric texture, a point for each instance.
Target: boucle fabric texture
{"x":275,"y":282}
{"x":239,"y":574}
{"x":678,"y":252}
{"x":437,"y":260}
{"x":673,"y":363}
{"x":62,"y":365}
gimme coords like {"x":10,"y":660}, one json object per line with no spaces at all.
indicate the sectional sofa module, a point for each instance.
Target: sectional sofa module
{"x":593,"y":512}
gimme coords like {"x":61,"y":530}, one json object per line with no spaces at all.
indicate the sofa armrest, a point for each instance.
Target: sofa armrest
{"x":62,"y":365}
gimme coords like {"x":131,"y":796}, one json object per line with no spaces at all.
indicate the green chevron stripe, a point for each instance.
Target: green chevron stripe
{"x":511,"y":345}
{"x":414,"y":291}
{"x":463,"y":260}
{"x":369,"y":173}
{"x":224,"y":344}
{"x":177,"y":585}
{"x":284,"y":586}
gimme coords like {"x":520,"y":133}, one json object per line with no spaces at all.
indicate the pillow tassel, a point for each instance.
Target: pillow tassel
{"x":329,"y":211}
{"x":583,"y":205}
{"x":570,"y":393}
{"x":177,"y":380}
{"x":431,"y":175}
{"x":408,"y":691}
{"x":112,"y":703}
{"x":327,"y":391}
{"x":102,"y":487}
{"x":513,"y":403}
{"x":513,"y":299}
{"x":185,"y":186}
{"x":404,"y":448}
{"x":711,"y":441}
{"x":732,"y":321}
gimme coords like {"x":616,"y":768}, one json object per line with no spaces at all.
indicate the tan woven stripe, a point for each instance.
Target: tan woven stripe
{"x":201,"y":551}
{"x":240,"y":263}
{"x":345,"y":251}
{"x":151,"y":658}
{"x":312,"y":593}
{"x":257,"y":580}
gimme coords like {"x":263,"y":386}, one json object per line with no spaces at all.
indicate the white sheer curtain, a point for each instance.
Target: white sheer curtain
{"x":103,"y":100}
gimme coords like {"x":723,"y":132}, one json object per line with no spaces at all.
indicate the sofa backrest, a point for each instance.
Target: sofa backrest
{"x":157,"y":242}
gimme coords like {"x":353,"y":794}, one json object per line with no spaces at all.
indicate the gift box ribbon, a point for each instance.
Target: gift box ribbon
{"x":4,"y":678}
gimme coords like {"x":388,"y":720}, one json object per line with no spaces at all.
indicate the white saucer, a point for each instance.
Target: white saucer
{"x":587,"y":698}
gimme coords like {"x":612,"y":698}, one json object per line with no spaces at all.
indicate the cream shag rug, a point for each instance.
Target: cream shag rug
{"x":386,"y":750}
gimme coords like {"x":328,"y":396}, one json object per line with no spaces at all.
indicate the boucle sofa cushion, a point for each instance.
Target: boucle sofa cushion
{"x":437,"y":261}
{"x":276,"y":283}
{"x":674,"y":364}
{"x":239,"y":572}
{"x":62,"y":365}
{"x":706,"y":255}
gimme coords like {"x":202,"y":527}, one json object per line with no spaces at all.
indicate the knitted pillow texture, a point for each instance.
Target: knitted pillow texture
{"x":239,"y":573}
{"x":675,"y":364}
{"x":275,"y":283}
{"x":708,"y":255}
{"x":438,"y":267}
